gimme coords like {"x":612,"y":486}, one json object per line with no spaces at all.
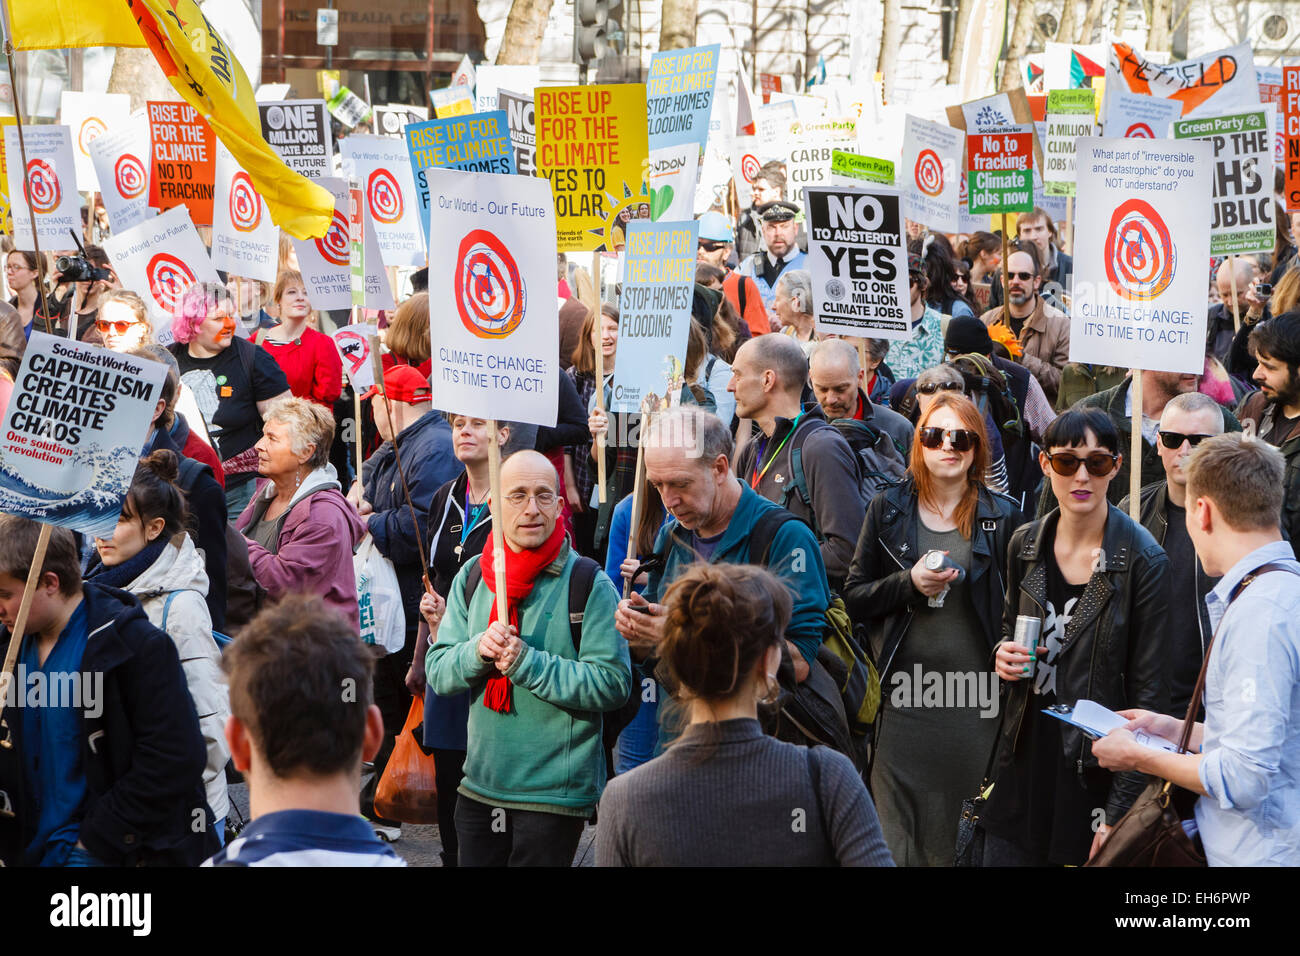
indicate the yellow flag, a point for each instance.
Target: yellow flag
{"x":60,"y":24}
{"x":205,"y":72}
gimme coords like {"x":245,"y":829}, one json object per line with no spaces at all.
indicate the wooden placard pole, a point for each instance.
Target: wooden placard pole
{"x":862,"y":354}
{"x":638,"y":500}
{"x":356,"y":407}
{"x":27,"y":184}
{"x":498,"y":529}
{"x":1068,"y":240}
{"x":20,"y":622}
{"x":600,"y":373}
{"x":1135,"y":448}
{"x":1006,"y":282}
{"x":1232,"y":278}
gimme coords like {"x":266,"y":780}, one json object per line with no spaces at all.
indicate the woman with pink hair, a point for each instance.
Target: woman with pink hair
{"x":233,"y":383}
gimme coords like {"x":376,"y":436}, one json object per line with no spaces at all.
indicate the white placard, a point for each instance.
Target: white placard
{"x":353,"y":343}
{"x":1141,"y":251}
{"x":51,"y":172}
{"x":465,"y":74}
{"x":245,"y":242}
{"x":383,"y":168}
{"x":673,"y":172}
{"x":378,"y":290}
{"x":89,"y":116}
{"x":492,"y":251}
{"x":930,"y":173}
{"x":489,"y":78}
{"x":121,"y":157}
{"x":325,"y":263}
{"x":1137,"y":116}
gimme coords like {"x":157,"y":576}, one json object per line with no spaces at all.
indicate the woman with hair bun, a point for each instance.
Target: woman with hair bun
{"x":152,"y":556}
{"x":724,"y":794}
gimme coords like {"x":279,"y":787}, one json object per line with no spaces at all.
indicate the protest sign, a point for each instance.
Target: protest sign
{"x":1071,"y":66}
{"x":348,"y":108}
{"x":477,"y":143}
{"x":6,"y":217}
{"x":522,"y":124}
{"x":1070,"y":114}
{"x":73,"y":432}
{"x":858,"y":262}
{"x":1138,"y":116}
{"x":1242,"y":221}
{"x":383,"y":167}
{"x":88,"y":116}
{"x":48,"y":194}
{"x":299,"y":132}
{"x":245,"y":242}
{"x":378,"y":288}
{"x":1269,"y":80}
{"x":673,"y":172}
{"x":452,"y":101}
{"x":747,"y":160}
{"x":768,"y":83}
{"x":808,"y":162}
{"x":654,"y":309}
{"x":931,"y":173}
{"x":965,"y":221}
{"x":1291,"y":127}
{"x":713,"y":181}
{"x":121,"y":157}
{"x":162,"y":256}
{"x":353,"y":343}
{"x":773,"y":122}
{"x":1000,"y":176}
{"x":325,"y":263}
{"x":390,"y":120}
{"x":592,"y":145}
{"x":1215,"y":81}
{"x":679,"y":96}
{"x":491,"y":78}
{"x":1140,"y":251}
{"x":493,"y":255}
{"x":465,"y":73}
{"x":184,"y":160}
{"x":849,"y":169}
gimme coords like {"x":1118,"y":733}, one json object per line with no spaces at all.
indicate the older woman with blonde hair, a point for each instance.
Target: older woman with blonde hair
{"x":301,"y":530}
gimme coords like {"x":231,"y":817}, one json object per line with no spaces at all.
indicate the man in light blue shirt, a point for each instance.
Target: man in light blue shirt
{"x":1245,"y":758}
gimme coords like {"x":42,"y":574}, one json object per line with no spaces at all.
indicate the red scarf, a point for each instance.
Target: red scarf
{"x":522,"y":568}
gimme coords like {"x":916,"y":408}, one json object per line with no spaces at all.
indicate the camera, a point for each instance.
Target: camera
{"x":1263,"y":290}
{"x":79,"y":269}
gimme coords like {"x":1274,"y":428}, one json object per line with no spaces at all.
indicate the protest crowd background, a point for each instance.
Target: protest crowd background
{"x":751,"y":476}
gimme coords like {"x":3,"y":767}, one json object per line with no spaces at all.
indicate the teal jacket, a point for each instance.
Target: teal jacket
{"x":546,"y":754}
{"x":795,"y":556}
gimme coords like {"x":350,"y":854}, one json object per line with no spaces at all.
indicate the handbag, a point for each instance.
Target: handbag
{"x":1151,"y":833}
{"x":970,"y":835}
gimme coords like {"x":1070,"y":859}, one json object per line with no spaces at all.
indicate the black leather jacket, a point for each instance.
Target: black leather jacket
{"x":1114,"y":647}
{"x":879,"y":592}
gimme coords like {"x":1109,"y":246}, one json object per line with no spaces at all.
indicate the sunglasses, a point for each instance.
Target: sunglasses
{"x":1174,"y":440}
{"x":1099,"y":463}
{"x":1022,"y":276}
{"x":929,"y":388}
{"x":962,"y":440}
{"x":119,"y":327}
{"x":711,"y":246}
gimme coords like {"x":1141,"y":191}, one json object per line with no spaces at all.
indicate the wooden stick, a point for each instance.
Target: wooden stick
{"x":1135,"y":448}
{"x":1006,"y":281}
{"x":638,"y":500}
{"x":22,"y":149}
{"x":1232,"y":274}
{"x":600,"y":374}
{"x":1068,"y":241}
{"x":20,"y":622}
{"x":498,"y":529}
{"x":90,"y":217}
{"x":862,"y":354}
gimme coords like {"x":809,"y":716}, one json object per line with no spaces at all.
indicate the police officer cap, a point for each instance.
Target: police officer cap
{"x":780,"y":211}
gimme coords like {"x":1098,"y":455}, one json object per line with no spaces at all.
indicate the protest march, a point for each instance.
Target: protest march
{"x":681,"y":465}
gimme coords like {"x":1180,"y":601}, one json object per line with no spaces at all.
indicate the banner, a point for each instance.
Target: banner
{"x":383,"y":167}
{"x":1070,"y":114}
{"x":493,"y":255}
{"x":982,"y":46}
{"x":1001,"y":177}
{"x":679,"y":96}
{"x":592,"y":146}
{"x":930,"y":173}
{"x":88,"y":116}
{"x":1290,"y":121}
{"x":1141,"y":250}
{"x":299,"y":132}
{"x":654,"y":309}
{"x":478,"y":143}
{"x":121,"y":157}
{"x":325,"y":263}
{"x":161,"y":258}
{"x":1134,"y":116}
{"x":1071,"y":66}
{"x":73,"y":433}
{"x":48,"y":194}
{"x":184,"y":160}
{"x":244,"y":240}
{"x":1242,"y":222}
{"x":490,"y":78}
{"x":391,"y":120}
{"x":1216,"y":81}
{"x":522,"y":124}
{"x":858,"y":261}
{"x":851,"y":169}
{"x":353,"y":343}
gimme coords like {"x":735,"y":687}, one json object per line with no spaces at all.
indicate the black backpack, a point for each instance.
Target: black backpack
{"x":991,"y":392}
{"x":881,"y":460}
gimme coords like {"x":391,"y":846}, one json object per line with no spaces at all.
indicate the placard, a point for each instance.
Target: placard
{"x":654,"y":309}
{"x":383,"y":167}
{"x":1242,"y":222}
{"x":353,"y":343}
{"x":245,"y":242}
{"x":1141,"y":249}
{"x":1070,"y":114}
{"x":184,"y":160}
{"x":490,"y":78}
{"x":48,"y":195}
{"x":1213,"y":82}
{"x":477,"y":143}
{"x":453,"y":101}
{"x":522,"y":122}
{"x":1291,"y":127}
{"x":392,"y":119}
{"x":1000,"y":176}
{"x":121,"y":157}
{"x":852,"y":168}
{"x":858,"y":261}
{"x":679,"y":96}
{"x":88,"y":116}
{"x":299,"y":132}
{"x":325,"y":263}
{"x":6,"y":215}
{"x":493,"y":255}
{"x":73,"y":433}
{"x":1135,"y":116}
{"x":673,"y":173}
{"x":931,"y":173}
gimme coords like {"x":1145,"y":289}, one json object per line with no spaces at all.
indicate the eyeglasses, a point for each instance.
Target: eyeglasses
{"x":119,"y":327}
{"x":929,"y":388}
{"x":1174,"y":440}
{"x":1099,"y":463}
{"x":1022,"y":276}
{"x":519,"y":499}
{"x":962,"y":440}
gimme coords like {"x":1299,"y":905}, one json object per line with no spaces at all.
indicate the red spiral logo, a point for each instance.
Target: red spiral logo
{"x":490,"y":295}
{"x":384,"y":197}
{"x":1139,"y":131}
{"x":334,"y":244}
{"x":91,"y":128}
{"x":1140,"y":254}
{"x":168,"y":278}
{"x":749,"y":167}
{"x":929,"y":172}
{"x":42,"y":187}
{"x":129,"y":174}
{"x":245,"y":203}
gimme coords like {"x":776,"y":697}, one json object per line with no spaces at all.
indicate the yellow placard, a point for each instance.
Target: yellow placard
{"x":593,"y":145}
{"x":6,"y":215}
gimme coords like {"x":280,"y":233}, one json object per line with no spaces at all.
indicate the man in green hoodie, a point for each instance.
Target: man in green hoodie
{"x":535,"y":766}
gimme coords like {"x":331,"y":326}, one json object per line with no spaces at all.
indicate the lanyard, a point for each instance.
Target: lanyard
{"x":758,"y":475}
{"x":471,"y":519}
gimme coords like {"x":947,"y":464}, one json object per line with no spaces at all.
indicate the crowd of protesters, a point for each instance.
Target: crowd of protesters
{"x":671,"y":655}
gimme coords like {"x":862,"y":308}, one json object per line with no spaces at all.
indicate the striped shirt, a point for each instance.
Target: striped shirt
{"x":307,"y":838}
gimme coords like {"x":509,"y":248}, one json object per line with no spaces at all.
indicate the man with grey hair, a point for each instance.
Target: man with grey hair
{"x":1188,"y":420}
{"x":836,"y":376}
{"x":793,"y":305}
{"x":800,"y":462}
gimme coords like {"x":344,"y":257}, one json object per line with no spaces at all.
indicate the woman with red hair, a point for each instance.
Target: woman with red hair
{"x":926,"y":584}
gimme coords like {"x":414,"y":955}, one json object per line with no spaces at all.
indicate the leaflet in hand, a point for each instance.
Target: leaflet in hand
{"x":1096,"y":721}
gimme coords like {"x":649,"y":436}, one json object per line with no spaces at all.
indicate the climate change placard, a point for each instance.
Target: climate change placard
{"x":299,"y":131}
{"x":325,"y":263}
{"x":1001,"y":171}
{"x":930,"y":173}
{"x":89,"y":116}
{"x":73,"y":432}
{"x":184,"y":160}
{"x":477,"y":143}
{"x":1141,"y":245}
{"x":1242,"y":223}
{"x":48,"y":195}
{"x":245,"y":242}
{"x":382,"y":166}
{"x":1070,"y":114}
{"x":1291,"y":129}
{"x":121,"y":157}
{"x":679,"y":95}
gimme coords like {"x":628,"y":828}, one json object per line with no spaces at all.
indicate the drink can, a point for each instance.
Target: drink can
{"x":1028,"y":631}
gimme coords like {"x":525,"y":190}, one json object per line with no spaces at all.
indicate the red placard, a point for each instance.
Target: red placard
{"x":184,"y":160}
{"x":769,"y":83}
{"x":1291,"y":127}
